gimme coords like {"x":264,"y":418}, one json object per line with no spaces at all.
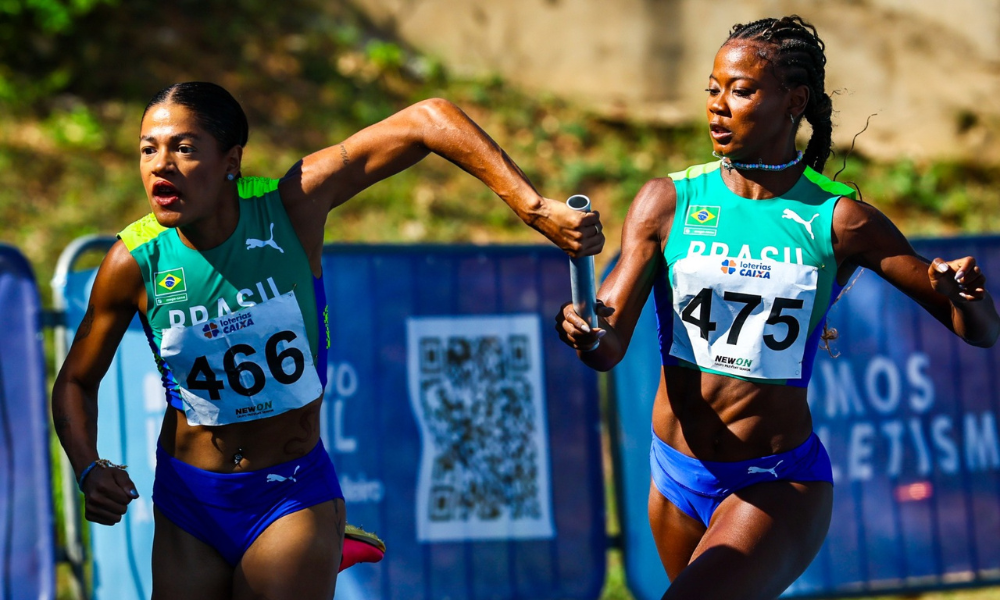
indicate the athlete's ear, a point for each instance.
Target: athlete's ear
{"x":234,"y":160}
{"x":798,"y":100}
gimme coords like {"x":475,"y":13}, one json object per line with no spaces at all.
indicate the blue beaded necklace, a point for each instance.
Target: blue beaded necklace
{"x":758,"y":166}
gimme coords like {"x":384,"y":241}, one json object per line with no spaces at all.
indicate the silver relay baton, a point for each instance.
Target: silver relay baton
{"x":581,"y":276}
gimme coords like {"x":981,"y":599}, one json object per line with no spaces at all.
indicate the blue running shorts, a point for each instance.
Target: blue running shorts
{"x":228,"y":511}
{"x":698,"y":487}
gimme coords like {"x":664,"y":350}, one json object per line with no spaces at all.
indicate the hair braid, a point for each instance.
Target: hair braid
{"x":794,"y":49}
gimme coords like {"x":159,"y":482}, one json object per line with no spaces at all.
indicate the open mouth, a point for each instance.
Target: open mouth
{"x":165,"y":193}
{"x":718,"y":132}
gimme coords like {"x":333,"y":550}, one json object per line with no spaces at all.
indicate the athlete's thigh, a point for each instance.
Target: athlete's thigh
{"x":184,"y":567}
{"x":296,"y":558}
{"x":676,"y":534}
{"x":758,"y":542}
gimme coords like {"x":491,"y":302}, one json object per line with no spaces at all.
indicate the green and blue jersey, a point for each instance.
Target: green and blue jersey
{"x":239,"y":331}
{"x":748,"y":283}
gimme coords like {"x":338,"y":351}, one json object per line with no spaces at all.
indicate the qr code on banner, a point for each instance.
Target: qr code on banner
{"x":476,"y":389}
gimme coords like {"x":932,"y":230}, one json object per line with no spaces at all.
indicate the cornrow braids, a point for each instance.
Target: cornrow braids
{"x":792,"y":46}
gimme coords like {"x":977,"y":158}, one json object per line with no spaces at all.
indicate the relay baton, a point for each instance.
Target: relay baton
{"x":581,"y":276}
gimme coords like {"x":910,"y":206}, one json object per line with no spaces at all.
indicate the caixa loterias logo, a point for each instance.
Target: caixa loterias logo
{"x":227,"y":325}
{"x":746,"y":268}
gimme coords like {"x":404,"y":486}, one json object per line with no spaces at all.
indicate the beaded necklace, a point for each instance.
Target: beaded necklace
{"x":758,"y":166}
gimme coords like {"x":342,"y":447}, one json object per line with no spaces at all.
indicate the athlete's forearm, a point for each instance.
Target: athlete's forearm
{"x":450,"y":133}
{"x":74,"y":415}
{"x":976,"y":322}
{"x":607,"y":354}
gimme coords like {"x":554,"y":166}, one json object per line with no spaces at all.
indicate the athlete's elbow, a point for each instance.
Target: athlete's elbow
{"x":436,"y":110}
{"x":598,"y":361}
{"x":985,"y":341}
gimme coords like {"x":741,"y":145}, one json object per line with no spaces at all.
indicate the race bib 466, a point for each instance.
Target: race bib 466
{"x":248,"y":365}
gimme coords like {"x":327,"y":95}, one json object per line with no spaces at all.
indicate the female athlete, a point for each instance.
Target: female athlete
{"x":744,"y":257}
{"x":225,"y":274}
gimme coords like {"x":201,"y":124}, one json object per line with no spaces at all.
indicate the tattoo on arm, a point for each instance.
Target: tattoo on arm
{"x":343,"y":154}
{"x":88,"y":321}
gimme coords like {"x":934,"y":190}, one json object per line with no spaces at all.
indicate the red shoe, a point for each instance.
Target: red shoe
{"x":360,"y":546}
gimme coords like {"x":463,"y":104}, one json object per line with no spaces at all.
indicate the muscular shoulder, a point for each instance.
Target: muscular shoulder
{"x":119,"y":280}
{"x":859,"y":228}
{"x":652,"y":210}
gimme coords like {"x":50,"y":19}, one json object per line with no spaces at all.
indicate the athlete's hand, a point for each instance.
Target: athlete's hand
{"x":107,"y":492}
{"x":574,"y":331}
{"x":575,"y":232}
{"x":958,"y":279}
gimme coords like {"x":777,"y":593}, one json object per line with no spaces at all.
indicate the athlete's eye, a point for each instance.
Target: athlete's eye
{"x":743,"y":92}
{"x":185,"y":149}
{"x":147,"y":150}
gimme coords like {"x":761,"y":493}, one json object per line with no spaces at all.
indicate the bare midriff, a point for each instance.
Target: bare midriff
{"x":258,"y":444}
{"x":717,"y":418}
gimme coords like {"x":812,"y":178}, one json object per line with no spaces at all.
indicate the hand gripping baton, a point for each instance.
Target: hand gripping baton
{"x":581,"y":277}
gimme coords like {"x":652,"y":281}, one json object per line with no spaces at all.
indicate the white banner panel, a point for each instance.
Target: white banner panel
{"x":476,"y":390}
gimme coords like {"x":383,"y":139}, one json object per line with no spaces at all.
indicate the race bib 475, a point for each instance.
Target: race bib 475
{"x":740,"y":316}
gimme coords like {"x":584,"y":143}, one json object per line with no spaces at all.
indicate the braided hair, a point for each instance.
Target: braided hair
{"x":793,"y":48}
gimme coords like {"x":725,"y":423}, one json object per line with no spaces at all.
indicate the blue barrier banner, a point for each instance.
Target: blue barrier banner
{"x":464,"y":433}
{"x":908,"y":413}
{"x":462,"y":428}
{"x":27,"y":544}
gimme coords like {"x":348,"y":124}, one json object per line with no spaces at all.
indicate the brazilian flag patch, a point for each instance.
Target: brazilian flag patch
{"x":703,"y":216}
{"x":170,"y":286}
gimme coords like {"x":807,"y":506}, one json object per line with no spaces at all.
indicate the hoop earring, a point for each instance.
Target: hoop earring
{"x":230,"y":176}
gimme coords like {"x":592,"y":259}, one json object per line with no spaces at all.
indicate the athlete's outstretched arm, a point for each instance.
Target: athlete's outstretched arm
{"x":328,"y":178}
{"x":624,"y":292}
{"x":954,"y":291}
{"x":113,"y":302}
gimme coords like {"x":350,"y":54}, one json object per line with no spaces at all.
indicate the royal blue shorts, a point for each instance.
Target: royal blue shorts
{"x":698,"y":487}
{"x":228,"y":511}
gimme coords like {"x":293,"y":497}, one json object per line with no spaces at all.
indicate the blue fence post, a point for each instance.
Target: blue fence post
{"x":131,"y":409}
{"x":65,"y":265}
{"x":27,"y":555}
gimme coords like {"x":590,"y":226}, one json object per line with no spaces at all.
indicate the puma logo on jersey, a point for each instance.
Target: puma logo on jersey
{"x":271,"y":477}
{"x":252,"y":243}
{"x":752,"y":470}
{"x":790,"y":214}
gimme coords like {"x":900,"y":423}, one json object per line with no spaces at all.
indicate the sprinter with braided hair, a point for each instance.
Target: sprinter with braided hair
{"x":797,"y":56}
{"x":744,"y":256}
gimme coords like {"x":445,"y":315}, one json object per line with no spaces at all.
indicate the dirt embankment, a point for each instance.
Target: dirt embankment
{"x":930,"y":73}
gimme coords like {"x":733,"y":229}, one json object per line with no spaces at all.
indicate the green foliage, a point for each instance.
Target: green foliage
{"x":76,"y":128}
{"x":386,"y":56}
{"x":930,"y":199}
{"x":30,"y":33}
{"x":51,"y":16}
